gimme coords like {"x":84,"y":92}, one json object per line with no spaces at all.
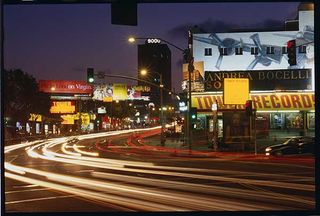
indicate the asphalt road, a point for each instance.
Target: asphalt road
{"x":115,"y":171}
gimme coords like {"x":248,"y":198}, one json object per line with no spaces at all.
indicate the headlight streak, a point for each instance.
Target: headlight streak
{"x":122,"y":201}
{"x":76,"y":148}
{"x":196,"y":188}
{"x":112,"y":164}
{"x":120,"y":192}
{"x":64,"y":150}
{"x":155,"y":196}
{"x":13,"y":168}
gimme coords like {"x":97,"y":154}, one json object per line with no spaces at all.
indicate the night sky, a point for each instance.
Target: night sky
{"x":61,"y":41}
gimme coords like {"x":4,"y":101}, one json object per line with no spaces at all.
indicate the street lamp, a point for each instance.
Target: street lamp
{"x":144,"y":72}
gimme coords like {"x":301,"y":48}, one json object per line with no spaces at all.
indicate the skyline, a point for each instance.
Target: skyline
{"x":61,"y":41}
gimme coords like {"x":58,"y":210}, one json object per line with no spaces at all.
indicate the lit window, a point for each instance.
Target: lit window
{"x":270,"y":50}
{"x":208,"y":52}
{"x":223,"y":51}
{"x":302,"y":49}
{"x":254,"y":50}
{"x":239,"y":51}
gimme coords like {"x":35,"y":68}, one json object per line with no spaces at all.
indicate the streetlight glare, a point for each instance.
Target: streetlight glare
{"x":143,"y":72}
{"x":131,"y":39}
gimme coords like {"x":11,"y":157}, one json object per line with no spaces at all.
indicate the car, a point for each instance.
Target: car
{"x":293,"y":145}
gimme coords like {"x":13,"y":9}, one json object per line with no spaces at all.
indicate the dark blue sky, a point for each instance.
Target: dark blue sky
{"x":61,"y":41}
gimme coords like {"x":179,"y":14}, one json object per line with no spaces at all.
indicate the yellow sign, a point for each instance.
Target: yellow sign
{"x":68,"y":119}
{"x":107,"y":99}
{"x":236,"y":90}
{"x":35,"y":117}
{"x":85,"y":119}
{"x":261,"y":101}
{"x":62,"y":107}
{"x":120,"y":91}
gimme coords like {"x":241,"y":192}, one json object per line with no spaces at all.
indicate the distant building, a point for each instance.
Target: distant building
{"x":156,"y":59}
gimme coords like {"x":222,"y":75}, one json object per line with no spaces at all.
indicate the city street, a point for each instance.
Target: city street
{"x":112,"y":171}
{"x":158,"y":106}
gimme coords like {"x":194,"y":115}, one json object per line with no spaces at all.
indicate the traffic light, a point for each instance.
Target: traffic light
{"x":193,"y":114}
{"x":248,"y":106}
{"x":90,"y":75}
{"x":291,"y":47}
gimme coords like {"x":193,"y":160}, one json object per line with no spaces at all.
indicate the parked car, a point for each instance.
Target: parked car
{"x":293,"y":145}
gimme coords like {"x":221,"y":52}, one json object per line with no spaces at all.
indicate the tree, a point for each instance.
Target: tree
{"x":22,"y":96}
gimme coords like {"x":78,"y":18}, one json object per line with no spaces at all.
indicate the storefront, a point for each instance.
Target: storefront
{"x":276,"y":113}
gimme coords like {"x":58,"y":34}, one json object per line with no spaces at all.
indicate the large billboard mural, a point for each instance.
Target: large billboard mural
{"x":249,"y":51}
{"x":119,"y":91}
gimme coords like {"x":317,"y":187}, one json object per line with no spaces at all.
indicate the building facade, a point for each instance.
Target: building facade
{"x":156,"y":59}
{"x":283,"y":95}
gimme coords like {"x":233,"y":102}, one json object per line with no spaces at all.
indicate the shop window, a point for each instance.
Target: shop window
{"x":208,"y":52}
{"x":277,"y":121}
{"x":294,"y":121}
{"x":239,"y":51}
{"x":311,"y":120}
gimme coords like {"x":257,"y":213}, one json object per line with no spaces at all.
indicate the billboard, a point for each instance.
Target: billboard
{"x":247,"y":51}
{"x":63,"y":107}
{"x":64,"y":86}
{"x":197,"y":76}
{"x":261,"y":101}
{"x":110,"y":92}
{"x":288,"y":79}
{"x":120,"y":91}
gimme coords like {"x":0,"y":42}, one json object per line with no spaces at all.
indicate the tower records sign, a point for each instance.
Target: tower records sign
{"x":291,"y":79}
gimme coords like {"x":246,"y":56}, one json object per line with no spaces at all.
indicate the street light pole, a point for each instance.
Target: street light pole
{"x":144,"y":72}
{"x":161,"y":104}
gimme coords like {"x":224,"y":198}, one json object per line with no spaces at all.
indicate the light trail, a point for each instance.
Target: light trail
{"x":150,"y":194}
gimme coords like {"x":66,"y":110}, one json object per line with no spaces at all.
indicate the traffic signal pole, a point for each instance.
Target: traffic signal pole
{"x":190,"y":70}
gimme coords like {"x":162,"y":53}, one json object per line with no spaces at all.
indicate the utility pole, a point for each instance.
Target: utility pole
{"x":190,"y":70}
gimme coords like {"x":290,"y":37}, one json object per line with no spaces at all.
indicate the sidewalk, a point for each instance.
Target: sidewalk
{"x":202,"y":149}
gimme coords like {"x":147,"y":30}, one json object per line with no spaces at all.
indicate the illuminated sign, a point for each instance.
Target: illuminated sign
{"x":62,"y":107}
{"x":63,"y":86}
{"x":289,"y":79}
{"x":67,"y":119}
{"x":236,"y":90}
{"x":102,"y":110}
{"x":35,"y":117}
{"x":261,"y":101}
{"x":153,"y":40}
{"x":110,"y":92}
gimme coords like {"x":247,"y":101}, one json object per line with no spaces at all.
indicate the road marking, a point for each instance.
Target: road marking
{"x":38,"y":199}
